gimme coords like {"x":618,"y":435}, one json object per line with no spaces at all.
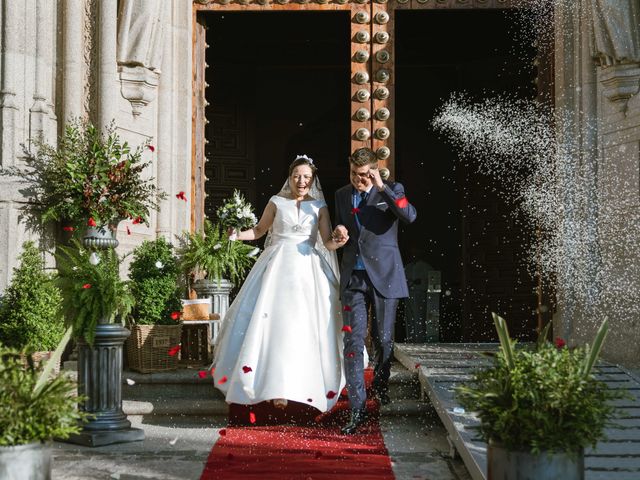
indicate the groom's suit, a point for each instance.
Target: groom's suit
{"x":377,"y":279}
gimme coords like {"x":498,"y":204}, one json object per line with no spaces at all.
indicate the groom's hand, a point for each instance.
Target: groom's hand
{"x":376,"y":179}
{"x":340,"y":234}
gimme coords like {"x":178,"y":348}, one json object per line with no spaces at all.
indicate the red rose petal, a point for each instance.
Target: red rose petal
{"x":137,"y":220}
{"x":181,"y":196}
{"x":417,"y":365}
{"x":351,"y":355}
{"x":223,"y":432}
{"x":355,"y":211}
{"x":346,"y":328}
{"x":246,"y":369}
{"x":175,"y":315}
{"x":202,"y":373}
{"x":559,"y":342}
{"x":174,"y":350}
{"x":213,"y":370}
{"x":128,"y":230}
{"x":67,"y":229}
{"x":151,"y":147}
{"x":222,"y":380}
{"x":331,"y":394}
{"x":252,"y":417}
{"x":346,"y":308}
{"x":86,"y":285}
{"x":92,"y":222}
{"x":402,"y":202}
{"x":309,"y":400}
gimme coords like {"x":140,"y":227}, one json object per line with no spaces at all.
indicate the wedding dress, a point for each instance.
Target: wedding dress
{"x":281,"y":337}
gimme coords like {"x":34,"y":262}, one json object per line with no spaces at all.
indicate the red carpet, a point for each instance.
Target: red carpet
{"x":255,"y":446}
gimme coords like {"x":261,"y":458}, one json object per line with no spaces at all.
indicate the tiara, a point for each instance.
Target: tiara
{"x":304,"y":157}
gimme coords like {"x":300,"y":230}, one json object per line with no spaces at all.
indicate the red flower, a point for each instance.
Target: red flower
{"x":175,"y":315}
{"x":202,"y":373}
{"x":174,"y":350}
{"x":355,"y":211}
{"x":252,"y":417}
{"x":223,"y":432}
{"x":346,"y":308}
{"x":331,"y":394}
{"x":152,"y":148}
{"x":559,"y":342}
{"x":222,"y":380}
{"x":67,"y":229}
{"x":128,"y":231}
{"x":181,"y":196}
{"x":402,"y":202}
{"x":246,"y":369}
{"x":417,"y":365}
{"x":86,"y":285}
{"x":92,"y":222}
{"x":346,"y":328}
{"x":137,"y":220}
{"x":351,"y":355}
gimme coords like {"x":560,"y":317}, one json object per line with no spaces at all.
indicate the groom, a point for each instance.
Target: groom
{"x":371,"y":273}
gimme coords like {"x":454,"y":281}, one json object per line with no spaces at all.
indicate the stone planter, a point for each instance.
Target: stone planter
{"x":32,"y":461}
{"x":504,"y":464}
{"x":217,"y":291}
{"x":99,"y":238}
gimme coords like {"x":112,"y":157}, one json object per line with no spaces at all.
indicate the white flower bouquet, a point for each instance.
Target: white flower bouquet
{"x":236,"y":213}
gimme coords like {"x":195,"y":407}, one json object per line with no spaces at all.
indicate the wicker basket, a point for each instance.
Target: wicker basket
{"x":41,"y":357}
{"x":148,"y":347}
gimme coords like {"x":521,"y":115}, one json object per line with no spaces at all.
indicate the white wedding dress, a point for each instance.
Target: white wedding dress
{"x":281,"y":337}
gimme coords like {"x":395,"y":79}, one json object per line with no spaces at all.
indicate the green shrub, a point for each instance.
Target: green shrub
{"x":31,"y":309}
{"x":154,"y":283}
{"x":33,"y":413}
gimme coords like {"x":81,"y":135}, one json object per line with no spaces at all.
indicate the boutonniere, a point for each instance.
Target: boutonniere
{"x":355,"y":211}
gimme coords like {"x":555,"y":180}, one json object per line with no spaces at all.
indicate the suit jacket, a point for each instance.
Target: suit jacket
{"x":376,"y":238}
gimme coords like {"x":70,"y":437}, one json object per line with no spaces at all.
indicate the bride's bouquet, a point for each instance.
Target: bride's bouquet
{"x":236,"y":213}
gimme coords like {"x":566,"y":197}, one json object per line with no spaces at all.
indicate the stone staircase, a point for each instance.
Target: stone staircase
{"x":182,"y":393}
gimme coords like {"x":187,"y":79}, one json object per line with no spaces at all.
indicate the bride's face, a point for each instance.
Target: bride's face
{"x":300,"y":180}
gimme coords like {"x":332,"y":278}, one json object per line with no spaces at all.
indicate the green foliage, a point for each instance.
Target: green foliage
{"x":92,"y":293}
{"x":29,"y":414}
{"x":154,"y":283}
{"x":90,"y":174}
{"x":31,"y":309}
{"x":539,"y":399}
{"x":212,"y":254}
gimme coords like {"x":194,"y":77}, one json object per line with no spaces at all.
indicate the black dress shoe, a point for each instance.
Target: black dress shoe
{"x":358,"y":417}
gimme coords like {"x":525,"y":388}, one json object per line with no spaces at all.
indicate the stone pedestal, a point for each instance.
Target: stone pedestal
{"x":100,"y":380}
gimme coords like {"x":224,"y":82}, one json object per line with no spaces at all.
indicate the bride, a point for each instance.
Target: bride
{"x":281,"y":338}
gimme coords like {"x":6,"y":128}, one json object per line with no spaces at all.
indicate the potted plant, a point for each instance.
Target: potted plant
{"x":539,"y":407}
{"x":34,"y":409}
{"x":95,"y":303}
{"x":92,"y":179}
{"x":215,"y":262}
{"x":31,"y":308}
{"x":154,"y":326}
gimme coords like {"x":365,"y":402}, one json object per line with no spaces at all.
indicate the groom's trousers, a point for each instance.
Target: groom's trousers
{"x":360,"y":293}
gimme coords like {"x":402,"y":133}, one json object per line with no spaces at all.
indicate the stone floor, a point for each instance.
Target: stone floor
{"x":178,"y":448}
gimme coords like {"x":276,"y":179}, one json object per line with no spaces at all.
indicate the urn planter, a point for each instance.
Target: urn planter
{"x":503,"y":464}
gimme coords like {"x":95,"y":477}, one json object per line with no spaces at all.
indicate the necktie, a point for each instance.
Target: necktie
{"x":363,"y":198}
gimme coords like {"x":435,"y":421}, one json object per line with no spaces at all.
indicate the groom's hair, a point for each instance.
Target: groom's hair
{"x":364,"y":156}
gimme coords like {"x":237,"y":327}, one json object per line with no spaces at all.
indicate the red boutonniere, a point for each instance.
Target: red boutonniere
{"x":355,"y":211}
{"x":559,"y":342}
{"x":402,"y":202}
{"x":181,"y":196}
{"x":92,"y":222}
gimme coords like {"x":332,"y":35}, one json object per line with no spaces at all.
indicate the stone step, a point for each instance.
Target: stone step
{"x":186,"y":407}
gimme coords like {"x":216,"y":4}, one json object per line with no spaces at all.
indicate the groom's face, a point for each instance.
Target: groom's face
{"x":360,"y":177}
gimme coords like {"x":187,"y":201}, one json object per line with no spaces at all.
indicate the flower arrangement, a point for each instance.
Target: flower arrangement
{"x":236,"y":213}
{"x":92,"y":289}
{"x":91,"y":178}
{"x":540,"y":399}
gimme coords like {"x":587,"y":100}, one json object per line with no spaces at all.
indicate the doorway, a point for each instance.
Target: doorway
{"x":278,"y":87}
{"x":466,"y":229}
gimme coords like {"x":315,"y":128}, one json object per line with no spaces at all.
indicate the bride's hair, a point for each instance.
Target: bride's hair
{"x":303,"y":160}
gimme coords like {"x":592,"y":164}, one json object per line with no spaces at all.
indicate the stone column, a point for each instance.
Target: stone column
{"x":8,"y":104}
{"x":107,"y":73}
{"x":72,"y":81}
{"x":40,"y":111}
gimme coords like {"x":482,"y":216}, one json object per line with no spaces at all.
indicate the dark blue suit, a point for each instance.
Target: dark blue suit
{"x":374,"y":235}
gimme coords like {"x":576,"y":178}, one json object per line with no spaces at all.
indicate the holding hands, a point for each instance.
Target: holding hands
{"x":340,"y":235}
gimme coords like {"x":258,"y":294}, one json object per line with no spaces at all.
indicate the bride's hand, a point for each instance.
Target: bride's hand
{"x":232,"y":234}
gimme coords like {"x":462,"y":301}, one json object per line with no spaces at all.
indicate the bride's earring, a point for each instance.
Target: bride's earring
{"x":280,"y":403}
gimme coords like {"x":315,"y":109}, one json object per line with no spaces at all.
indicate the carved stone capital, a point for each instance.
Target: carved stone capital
{"x":138,"y":85}
{"x":620,"y":82}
